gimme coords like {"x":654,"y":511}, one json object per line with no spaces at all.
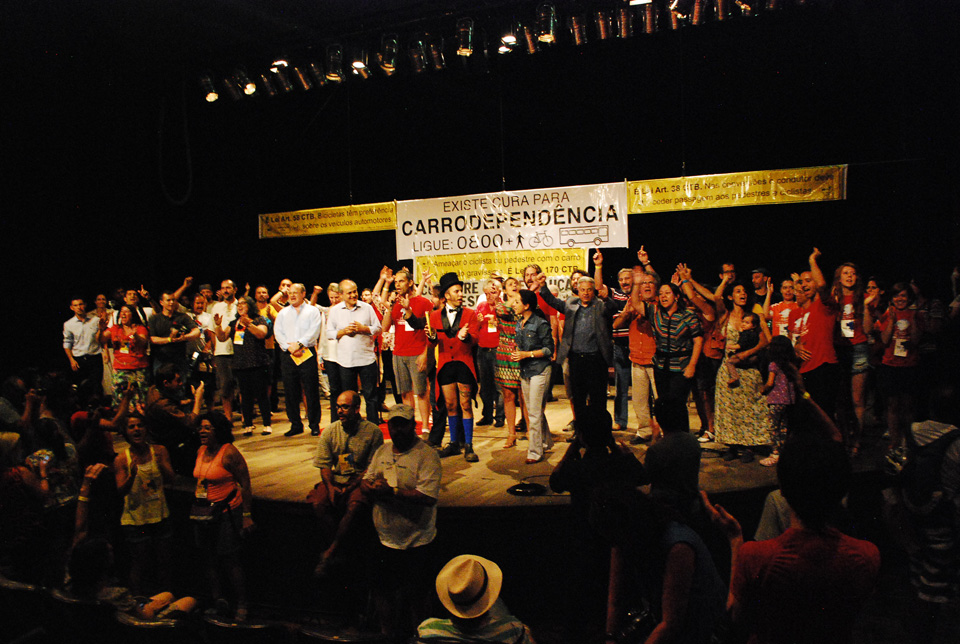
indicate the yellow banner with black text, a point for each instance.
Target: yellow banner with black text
{"x":326,"y":221}
{"x":798,"y":185}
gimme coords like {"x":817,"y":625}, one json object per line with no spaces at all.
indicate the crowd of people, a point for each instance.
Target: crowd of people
{"x":791,"y":373}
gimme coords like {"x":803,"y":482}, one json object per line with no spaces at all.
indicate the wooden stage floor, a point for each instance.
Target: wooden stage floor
{"x":281,"y":468}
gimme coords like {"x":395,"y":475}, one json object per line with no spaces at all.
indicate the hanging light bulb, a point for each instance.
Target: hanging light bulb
{"x":209,"y":89}
{"x":547,"y":23}
{"x":334,"y":63}
{"x":418,"y":55}
{"x":387,"y":56}
{"x":465,"y":28}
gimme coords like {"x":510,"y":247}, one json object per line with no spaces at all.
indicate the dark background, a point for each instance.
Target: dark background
{"x":118,"y":173}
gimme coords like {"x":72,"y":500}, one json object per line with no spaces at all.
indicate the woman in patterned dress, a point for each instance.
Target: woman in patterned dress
{"x":742,"y":418}
{"x":507,"y":372}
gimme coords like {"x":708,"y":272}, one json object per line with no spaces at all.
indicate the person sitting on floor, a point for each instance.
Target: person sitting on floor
{"x":469,"y":587}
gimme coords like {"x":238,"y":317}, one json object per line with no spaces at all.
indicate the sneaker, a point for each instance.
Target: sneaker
{"x":706,"y":437}
{"x":248,"y":431}
{"x":266,"y":431}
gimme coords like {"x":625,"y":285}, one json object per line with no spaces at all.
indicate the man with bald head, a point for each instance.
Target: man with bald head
{"x":354,"y":325}
{"x":297,"y":330}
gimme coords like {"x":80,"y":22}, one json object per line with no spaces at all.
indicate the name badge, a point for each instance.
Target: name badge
{"x":238,"y":337}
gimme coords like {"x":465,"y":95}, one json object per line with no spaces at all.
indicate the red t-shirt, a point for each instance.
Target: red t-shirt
{"x":900,"y":352}
{"x":813,"y":328}
{"x":548,"y":310}
{"x":851,"y":324}
{"x":780,"y":317}
{"x":124,"y":354}
{"x":803,"y":586}
{"x":488,"y":338}
{"x":406,"y":340}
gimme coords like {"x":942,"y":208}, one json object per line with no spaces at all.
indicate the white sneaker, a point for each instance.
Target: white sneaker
{"x":248,"y":431}
{"x":266,"y":431}
{"x":706,"y":438}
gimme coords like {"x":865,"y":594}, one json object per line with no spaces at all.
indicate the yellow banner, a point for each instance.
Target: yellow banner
{"x":474,"y":268}
{"x":823,"y":183}
{"x":325,"y":221}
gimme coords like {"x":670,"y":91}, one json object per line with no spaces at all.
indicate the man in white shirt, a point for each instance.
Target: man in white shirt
{"x":82,"y":346}
{"x":297,"y":329}
{"x":224,"y":313}
{"x":354,"y":325}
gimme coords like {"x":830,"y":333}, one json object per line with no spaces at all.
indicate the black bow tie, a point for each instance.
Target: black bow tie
{"x":453,"y":310}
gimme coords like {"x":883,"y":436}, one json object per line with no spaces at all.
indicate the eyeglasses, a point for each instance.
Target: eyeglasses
{"x":348,"y":406}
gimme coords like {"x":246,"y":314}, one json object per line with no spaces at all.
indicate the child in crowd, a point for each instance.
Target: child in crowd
{"x":749,"y":338}
{"x":780,"y":391}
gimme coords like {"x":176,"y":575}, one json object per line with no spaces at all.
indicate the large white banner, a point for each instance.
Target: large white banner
{"x":590,"y":216}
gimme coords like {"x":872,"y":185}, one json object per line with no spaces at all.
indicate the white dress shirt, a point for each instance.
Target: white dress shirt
{"x":356,"y":351}
{"x":297,"y":324}
{"x":81,"y":336}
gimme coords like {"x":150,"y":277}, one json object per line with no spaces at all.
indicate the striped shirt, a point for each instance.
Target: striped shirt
{"x":497,"y":625}
{"x":620,"y":336}
{"x":674,"y":335}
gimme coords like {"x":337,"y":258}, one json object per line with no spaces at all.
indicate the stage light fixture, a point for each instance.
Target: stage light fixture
{"x":435,"y":51}
{"x":418,"y":55}
{"x":316,"y":74}
{"x":359,"y":65}
{"x":601,"y":22}
{"x":547,"y":23}
{"x":748,"y":8}
{"x":530,"y":43}
{"x":465,"y":28}
{"x":650,"y":18}
{"x":625,"y":22}
{"x":334,"y":63}
{"x":578,"y":29}
{"x":302,"y":79}
{"x":248,"y":86}
{"x":267,"y":86}
{"x":209,"y":89}
{"x":388,"y":54}
{"x":510,"y":34}
{"x":233,"y":91}
{"x":637,"y":3}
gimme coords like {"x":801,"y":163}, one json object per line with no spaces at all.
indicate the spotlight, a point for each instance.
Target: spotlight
{"x":601,"y":20}
{"x":435,"y":50}
{"x":334,"y":63}
{"x":578,"y":30}
{"x":230,"y":84}
{"x":387,"y":56}
{"x":267,"y":86}
{"x":316,"y":74}
{"x":279,"y":69}
{"x":302,"y":79}
{"x":748,"y":7}
{"x":625,"y":22}
{"x":247,"y":85}
{"x":547,"y":23}
{"x":529,"y":40}
{"x":699,"y":12}
{"x":418,"y":55}
{"x":359,"y":64}
{"x":465,"y":37}
{"x":650,"y":18}
{"x":209,"y":90}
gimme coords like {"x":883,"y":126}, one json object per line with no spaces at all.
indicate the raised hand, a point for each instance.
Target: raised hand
{"x":643,"y":256}
{"x":598,"y":258}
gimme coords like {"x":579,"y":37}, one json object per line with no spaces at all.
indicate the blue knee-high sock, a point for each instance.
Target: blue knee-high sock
{"x":468,"y":431}
{"x":452,"y":427}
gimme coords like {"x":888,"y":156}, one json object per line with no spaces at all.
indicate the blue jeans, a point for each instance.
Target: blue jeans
{"x":538,"y":434}
{"x":490,"y":395}
{"x":622,"y":367}
{"x":369,"y":376}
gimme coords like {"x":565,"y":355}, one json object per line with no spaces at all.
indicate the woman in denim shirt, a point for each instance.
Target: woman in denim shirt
{"x":534,"y":348}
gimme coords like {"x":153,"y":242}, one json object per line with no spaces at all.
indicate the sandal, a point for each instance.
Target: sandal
{"x":511,"y":442}
{"x":770,"y":461}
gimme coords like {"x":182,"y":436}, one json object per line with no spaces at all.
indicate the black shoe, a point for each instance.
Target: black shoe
{"x":499,"y":423}
{"x":452,"y":449}
{"x":469,"y":455}
{"x":730,"y":455}
{"x":522,"y":426}
{"x":639,"y":440}
{"x":294,"y":431}
{"x":746,"y":456}
{"x":486,"y":420}
{"x":315,"y":431}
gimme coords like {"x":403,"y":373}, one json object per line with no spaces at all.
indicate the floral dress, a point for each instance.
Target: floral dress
{"x":741,"y":413}
{"x":506,"y":373}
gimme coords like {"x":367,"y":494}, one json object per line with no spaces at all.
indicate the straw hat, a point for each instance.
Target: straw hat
{"x":469,"y":585}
